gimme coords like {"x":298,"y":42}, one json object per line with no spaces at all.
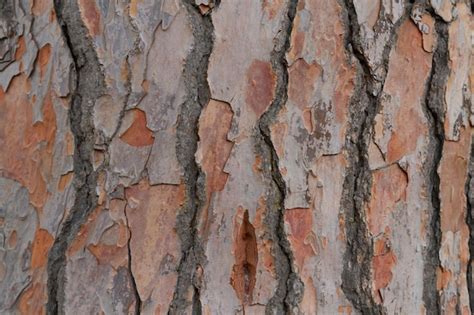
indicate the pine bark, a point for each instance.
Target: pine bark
{"x":236,"y":157}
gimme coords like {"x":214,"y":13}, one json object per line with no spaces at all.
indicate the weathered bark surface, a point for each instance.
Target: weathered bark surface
{"x":236,"y":157}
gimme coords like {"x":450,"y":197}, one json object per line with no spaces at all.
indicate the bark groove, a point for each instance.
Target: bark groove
{"x":236,"y":157}
{"x":197,"y":96}
{"x":357,"y":274}
{"x":290,"y":287}
{"x":470,"y":223}
{"x":435,"y":114}
{"x":89,"y":83}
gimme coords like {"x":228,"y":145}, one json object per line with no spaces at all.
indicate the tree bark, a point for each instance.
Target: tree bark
{"x":236,"y":157}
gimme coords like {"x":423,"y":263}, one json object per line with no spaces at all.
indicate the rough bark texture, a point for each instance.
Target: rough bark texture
{"x":236,"y":157}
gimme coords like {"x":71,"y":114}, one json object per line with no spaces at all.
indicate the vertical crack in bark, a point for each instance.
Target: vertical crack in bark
{"x":470,"y":223}
{"x":89,"y":84}
{"x":198,"y":95}
{"x":290,"y":287}
{"x":357,"y":274}
{"x":434,"y":110}
{"x":356,"y":277}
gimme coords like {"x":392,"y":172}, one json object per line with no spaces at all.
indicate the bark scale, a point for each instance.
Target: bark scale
{"x":236,"y":157}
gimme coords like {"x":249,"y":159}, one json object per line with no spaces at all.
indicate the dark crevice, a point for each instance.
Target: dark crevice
{"x":356,"y":277}
{"x":470,"y":223}
{"x":469,"y":193}
{"x":289,"y":291}
{"x":434,"y":111}
{"x":365,"y":104}
{"x":88,"y":86}
{"x":198,"y":95}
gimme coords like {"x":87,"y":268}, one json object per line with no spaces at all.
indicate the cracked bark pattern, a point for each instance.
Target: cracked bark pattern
{"x":236,"y":157}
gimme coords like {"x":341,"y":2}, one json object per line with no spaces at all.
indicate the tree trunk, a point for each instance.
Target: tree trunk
{"x":236,"y":157}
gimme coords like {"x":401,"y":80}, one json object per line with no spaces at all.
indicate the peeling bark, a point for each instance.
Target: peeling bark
{"x":236,"y":157}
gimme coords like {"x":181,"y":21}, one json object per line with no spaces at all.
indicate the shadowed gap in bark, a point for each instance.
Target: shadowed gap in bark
{"x":357,"y":274}
{"x":434,"y":110}
{"x":470,"y":223}
{"x":290,"y":287}
{"x":198,"y":95}
{"x":89,"y":85}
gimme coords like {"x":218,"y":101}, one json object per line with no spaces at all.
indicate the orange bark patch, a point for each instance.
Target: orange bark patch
{"x":111,"y":248}
{"x":44,"y":55}
{"x":403,"y":140}
{"x":310,"y":296}
{"x":442,"y":278}
{"x":41,"y":245}
{"x":145,"y":85}
{"x":374,"y":12}
{"x":214,"y":151}
{"x":65,"y":180}
{"x":382,"y":263}
{"x":411,"y":46}
{"x":257,"y":165}
{"x":154,"y":242}
{"x":301,"y":81}
{"x":297,"y":43}
{"x":343,"y":91}
{"x":271,"y":7}
{"x":345,"y":310}
{"x":32,"y":300}
{"x":297,"y":37}
{"x":264,"y":245}
{"x":214,"y":148}
{"x":40,"y":6}
{"x":12,"y":239}
{"x":243,"y":276}
{"x":301,"y":236}
{"x":134,"y":7}
{"x":91,"y":16}
{"x":261,"y":83}
{"x":29,"y":146}
{"x":80,"y":241}
{"x":138,"y":134}
{"x":453,"y":175}
{"x":409,"y":123}
{"x":69,"y":143}
{"x":52,"y":16}
{"x":124,"y":71}
{"x":21,"y":48}
{"x":109,"y":254}
{"x":279,"y":132}
{"x":388,"y":188}
{"x":308,"y":120}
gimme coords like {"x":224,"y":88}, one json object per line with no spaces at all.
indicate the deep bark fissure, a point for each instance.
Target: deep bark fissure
{"x":365,"y":104}
{"x":356,"y":277}
{"x":198,"y":95}
{"x":434,"y":111}
{"x":89,"y":84}
{"x":290,"y":287}
{"x":470,"y":223}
